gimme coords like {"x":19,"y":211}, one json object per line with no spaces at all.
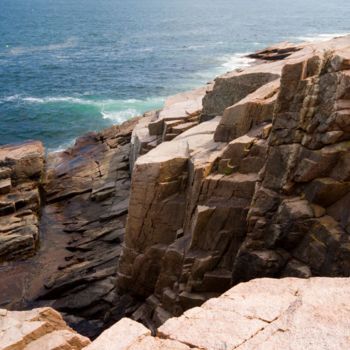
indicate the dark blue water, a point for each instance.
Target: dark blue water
{"x":69,"y":66}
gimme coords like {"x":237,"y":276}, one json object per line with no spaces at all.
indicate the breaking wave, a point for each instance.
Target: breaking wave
{"x":21,"y":50}
{"x":319,"y":37}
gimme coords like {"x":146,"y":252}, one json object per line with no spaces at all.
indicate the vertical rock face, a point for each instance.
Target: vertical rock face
{"x":253,"y":110}
{"x":21,"y":170}
{"x":189,"y":202}
{"x":299,"y":218}
{"x":161,"y":198}
{"x":260,"y":191}
{"x":234,"y":86}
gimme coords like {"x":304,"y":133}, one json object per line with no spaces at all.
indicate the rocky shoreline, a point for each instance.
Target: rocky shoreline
{"x":83,"y":207}
{"x":247,"y":177}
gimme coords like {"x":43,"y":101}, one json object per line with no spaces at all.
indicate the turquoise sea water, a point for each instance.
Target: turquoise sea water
{"x":67,"y":67}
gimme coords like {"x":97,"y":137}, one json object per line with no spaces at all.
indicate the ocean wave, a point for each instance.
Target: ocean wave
{"x":318,"y":37}
{"x":10,"y":98}
{"x":21,"y":50}
{"x":61,"y":147}
{"x":79,"y":100}
{"x":120,"y":116}
{"x":193,"y":47}
{"x":44,"y":100}
{"x":238,"y":60}
{"x":224,"y":64}
{"x":145,"y":49}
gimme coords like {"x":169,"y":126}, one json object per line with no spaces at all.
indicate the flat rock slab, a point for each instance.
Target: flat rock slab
{"x":264,"y":313}
{"x":269,"y":314}
{"x":178,"y":107}
{"x":38,"y":329}
{"x":26,"y":160}
{"x":5,"y":186}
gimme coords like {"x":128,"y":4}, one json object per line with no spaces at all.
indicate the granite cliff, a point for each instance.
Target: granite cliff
{"x":247,"y":177}
{"x":260,"y":188}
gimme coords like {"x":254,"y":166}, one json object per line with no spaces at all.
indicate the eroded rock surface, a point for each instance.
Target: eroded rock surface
{"x":38,"y":329}
{"x":84,"y":207}
{"x":246,"y":177}
{"x":87,"y":190}
{"x":180,"y":113}
{"x":260,"y":191}
{"x":261,"y":314}
{"x":276,"y":52}
{"x":299,"y":220}
{"x":21,"y":171}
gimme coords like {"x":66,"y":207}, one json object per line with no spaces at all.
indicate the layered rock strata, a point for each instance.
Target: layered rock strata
{"x":260,"y":190}
{"x":21,"y":171}
{"x":85,"y":195}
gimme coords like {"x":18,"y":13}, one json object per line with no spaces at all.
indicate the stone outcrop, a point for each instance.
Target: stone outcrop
{"x":85,"y":194}
{"x":260,"y":190}
{"x":299,"y":220}
{"x":246,"y":177}
{"x":180,"y":113}
{"x":261,"y":314}
{"x":21,"y":171}
{"x":255,"y":109}
{"x":38,"y":329}
{"x":232,"y":87}
{"x":264,"y":313}
{"x":276,"y":52}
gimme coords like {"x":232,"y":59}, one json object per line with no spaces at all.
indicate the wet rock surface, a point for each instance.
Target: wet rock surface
{"x":84,"y":206}
{"x":276,"y":52}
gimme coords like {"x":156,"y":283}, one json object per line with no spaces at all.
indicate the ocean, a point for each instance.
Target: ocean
{"x":68,"y":67}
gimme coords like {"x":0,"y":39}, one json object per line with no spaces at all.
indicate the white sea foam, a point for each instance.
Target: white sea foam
{"x":193,"y":47}
{"x":62,"y":147}
{"x":224,"y":64}
{"x":238,"y":60}
{"x":145,"y":49}
{"x":12,"y":98}
{"x":109,"y":106}
{"x":48,"y":99}
{"x":319,"y":37}
{"x":120,"y":116}
{"x":20,"y":50}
